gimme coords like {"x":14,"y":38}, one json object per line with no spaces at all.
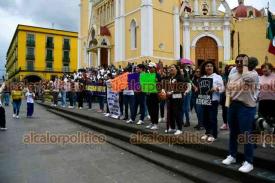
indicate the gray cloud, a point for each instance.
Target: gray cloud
{"x":63,"y":13}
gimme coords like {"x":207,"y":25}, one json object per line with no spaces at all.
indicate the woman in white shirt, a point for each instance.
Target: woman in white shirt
{"x":210,"y":112}
{"x":30,"y":101}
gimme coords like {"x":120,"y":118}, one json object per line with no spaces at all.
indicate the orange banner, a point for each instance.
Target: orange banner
{"x":120,"y":82}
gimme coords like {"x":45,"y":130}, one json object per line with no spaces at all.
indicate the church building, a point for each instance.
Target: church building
{"x":121,"y":31}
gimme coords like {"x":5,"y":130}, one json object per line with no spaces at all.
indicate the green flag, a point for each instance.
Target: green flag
{"x":148,"y":82}
{"x":270,"y":33}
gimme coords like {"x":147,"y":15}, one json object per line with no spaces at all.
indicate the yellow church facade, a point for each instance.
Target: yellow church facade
{"x":121,"y":31}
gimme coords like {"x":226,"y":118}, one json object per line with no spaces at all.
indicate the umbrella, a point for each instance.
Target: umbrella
{"x":186,"y":61}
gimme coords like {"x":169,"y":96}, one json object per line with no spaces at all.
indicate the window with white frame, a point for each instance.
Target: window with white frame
{"x":133,"y":34}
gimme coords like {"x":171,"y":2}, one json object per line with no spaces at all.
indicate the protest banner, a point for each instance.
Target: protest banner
{"x":120,"y":82}
{"x":113,"y":103}
{"x":148,"y":82}
{"x":133,"y":82}
{"x":205,"y":94}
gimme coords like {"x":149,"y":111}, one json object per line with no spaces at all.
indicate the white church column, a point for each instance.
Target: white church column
{"x":122,"y":29}
{"x":227,"y":40}
{"x":214,"y":7}
{"x":98,"y":56}
{"x":117,"y":31}
{"x":176,"y":33}
{"x":196,"y":7}
{"x":147,"y":28}
{"x":186,"y":39}
{"x":109,"y":56}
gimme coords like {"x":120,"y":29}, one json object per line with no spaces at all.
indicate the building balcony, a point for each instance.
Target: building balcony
{"x":31,"y":43}
{"x":66,"y":47}
{"x":30,"y":57}
{"x":49,"y":45}
{"x":49,"y":58}
{"x":66,"y":69}
{"x":66,"y":59}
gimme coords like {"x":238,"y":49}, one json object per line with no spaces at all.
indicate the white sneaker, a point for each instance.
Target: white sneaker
{"x":107,"y":114}
{"x":140,"y":122}
{"x":148,"y":117}
{"x":17,"y":117}
{"x":149,"y":126}
{"x":229,"y":160}
{"x":204,"y":137}
{"x":80,"y":107}
{"x":246,"y":167}
{"x":71,"y":107}
{"x":170,"y":130}
{"x":161,"y":120}
{"x":3,"y":129}
{"x":13,"y":115}
{"x":211,"y":139}
{"x":178,"y":132}
{"x":154,"y":127}
{"x":129,"y":121}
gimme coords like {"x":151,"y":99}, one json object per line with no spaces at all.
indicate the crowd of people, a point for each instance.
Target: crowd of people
{"x":238,"y":89}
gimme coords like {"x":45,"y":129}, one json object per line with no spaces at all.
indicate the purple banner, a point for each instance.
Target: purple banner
{"x":133,"y":82}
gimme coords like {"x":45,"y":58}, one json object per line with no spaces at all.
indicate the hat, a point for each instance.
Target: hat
{"x":152,"y":64}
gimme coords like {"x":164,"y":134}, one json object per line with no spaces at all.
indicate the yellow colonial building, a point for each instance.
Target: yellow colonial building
{"x":37,"y":53}
{"x":121,"y":31}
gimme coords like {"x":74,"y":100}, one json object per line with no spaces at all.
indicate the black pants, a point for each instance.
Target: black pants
{"x":224,"y":109}
{"x":266,"y":108}
{"x":162,"y":106}
{"x":71,"y":97}
{"x":80,"y":97}
{"x":175,"y":113}
{"x":89,"y":95}
{"x":153,"y":107}
{"x":2,"y":117}
{"x":121,"y":103}
{"x":55,"y":97}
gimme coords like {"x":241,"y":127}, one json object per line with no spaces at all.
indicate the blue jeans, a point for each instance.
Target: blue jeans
{"x":240,"y":121}
{"x":210,"y":121}
{"x":198,"y":109}
{"x":186,"y":107}
{"x":16,"y":106}
{"x":63,"y":98}
{"x":30,"y":107}
{"x":6,"y":99}
{"x":129,"y":100}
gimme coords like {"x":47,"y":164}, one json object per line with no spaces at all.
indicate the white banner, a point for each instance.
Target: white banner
{"x":113,"y":103}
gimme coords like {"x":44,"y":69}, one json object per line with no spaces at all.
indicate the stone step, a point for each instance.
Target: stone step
{"x":265,"y":160}
{"x":179,"y":154}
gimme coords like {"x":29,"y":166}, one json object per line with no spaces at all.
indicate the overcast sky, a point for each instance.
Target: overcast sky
{"x":64,"y":14}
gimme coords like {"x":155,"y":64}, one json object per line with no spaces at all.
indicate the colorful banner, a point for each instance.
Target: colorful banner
{"x":205,"y":94}
{"x":113,"y":103}
{"x":133,"y":82}
{"x":97,"y":89}
{"x":148,"y":82}
{"x":120,"y":82}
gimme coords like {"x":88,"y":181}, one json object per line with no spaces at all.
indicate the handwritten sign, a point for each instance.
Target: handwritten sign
{"x":148,"y":82}
{"x":205,"y":95}
{"x":120,"y":82}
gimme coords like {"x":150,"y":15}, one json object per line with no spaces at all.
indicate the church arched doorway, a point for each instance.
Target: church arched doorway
{"x":206,"y":49}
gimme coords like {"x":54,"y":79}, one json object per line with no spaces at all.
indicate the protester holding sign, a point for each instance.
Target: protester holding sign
{"x":152,"y":97}
{"x":139,"y":100}
{"x":242,"y":89}
{"x":213,"y":82}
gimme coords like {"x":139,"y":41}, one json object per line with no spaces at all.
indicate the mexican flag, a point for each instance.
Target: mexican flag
{"x":270,"y":33}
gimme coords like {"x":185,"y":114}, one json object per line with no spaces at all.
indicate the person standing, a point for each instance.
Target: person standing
{"x":30,"y":95}
{"x":2,"y":111}
{"x":267,"y":93}
{"x":152,"y":100}
{"x":210,"y":112}
{"x":242,"y":88}
{"x":195,"y":93}
{"x":16,"y":96}
{"x":175,"y":101}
